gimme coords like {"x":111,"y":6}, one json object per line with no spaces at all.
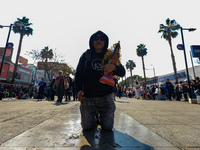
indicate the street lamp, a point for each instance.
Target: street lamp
{"x":189,"y":29}
{"x":152,"y":69}
{"x":1,"y":26}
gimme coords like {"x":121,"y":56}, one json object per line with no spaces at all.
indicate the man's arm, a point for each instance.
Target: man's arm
{"x":119,"y":71}
{"x":114,"y":69}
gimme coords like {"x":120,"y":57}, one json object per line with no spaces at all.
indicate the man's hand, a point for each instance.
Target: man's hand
{"x":107,"y":68}
{"x":80,"y":96}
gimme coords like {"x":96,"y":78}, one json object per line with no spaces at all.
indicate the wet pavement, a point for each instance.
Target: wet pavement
{"x":64,"y":132}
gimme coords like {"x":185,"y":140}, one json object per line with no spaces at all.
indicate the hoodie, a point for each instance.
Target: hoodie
{"x":89,"y":71}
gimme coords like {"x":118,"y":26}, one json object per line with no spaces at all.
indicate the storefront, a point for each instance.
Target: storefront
{"x":22,"y":76}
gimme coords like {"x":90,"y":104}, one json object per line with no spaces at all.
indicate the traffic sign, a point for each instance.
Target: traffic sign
{"x":9,"y":45}
{"x":180,"y":47}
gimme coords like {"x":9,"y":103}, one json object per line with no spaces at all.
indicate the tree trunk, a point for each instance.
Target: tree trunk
{"x":131,"y":78}
{"x":173,"y":60}
{"x":17,"y":59}
{"x":144,"y":70}
{"x":45,"y":69}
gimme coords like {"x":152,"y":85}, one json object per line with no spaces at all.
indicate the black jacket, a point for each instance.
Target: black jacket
{"x":89,"y":71}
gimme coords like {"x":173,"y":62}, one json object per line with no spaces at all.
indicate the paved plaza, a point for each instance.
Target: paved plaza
{"x":139,"y":124}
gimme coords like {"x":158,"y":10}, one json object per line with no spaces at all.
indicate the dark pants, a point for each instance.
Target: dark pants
{"x":74,"y":95}
{"x":169,"y":94}
{"x":52,"y":94}
{"x":178,"y":96}
{"x":104,"y":107}
{"x":154,"y":96}
{"x":40,"y":94}
{"x":185,"y":95}
{"x":1,"y":94}
{"x":60,"y":92}
{"x":67,"y":94}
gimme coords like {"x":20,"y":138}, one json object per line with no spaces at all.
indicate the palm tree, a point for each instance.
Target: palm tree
{"x":21,"y":26}
{"x":130,"y":65}
{"x":141,"y":52}
{"x":168,"y":32}
{"x":46,"y":54}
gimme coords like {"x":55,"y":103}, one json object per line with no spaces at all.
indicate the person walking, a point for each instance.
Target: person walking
{"x":169,"y":88}
{"x":137,"y":91}
{"x":193,"y":88}
{"x":68,"y":90}
{"x":119,"y":91}
{"x":52,"y":91}
{"x":156,"y":93}
{"x":59,"y":86}
{"x":97,"y":100}
{"x":185,"y":89}
{"x":177,"y":91}
{"x":42,"y":86}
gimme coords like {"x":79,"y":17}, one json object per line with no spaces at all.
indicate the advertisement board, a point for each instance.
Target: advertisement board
{"x":11,"y":69}
{"x":23,"y":60}
{"x":195,"y":49}
{"x":24,"y":74}
{"x":4,"y":71}
{"x":8,"y":54}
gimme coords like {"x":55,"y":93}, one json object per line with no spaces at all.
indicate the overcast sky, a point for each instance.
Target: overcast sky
{"x":66,"y":25}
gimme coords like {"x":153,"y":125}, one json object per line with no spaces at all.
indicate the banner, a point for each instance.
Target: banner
{"x":4,"y":71}
{"x":195,"y":49}
{"x":23,"y":60}
{"x":8,"y":52}
{"x":11,"y":69}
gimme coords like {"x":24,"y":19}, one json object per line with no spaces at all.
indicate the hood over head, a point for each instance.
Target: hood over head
{"x":103,"y":35}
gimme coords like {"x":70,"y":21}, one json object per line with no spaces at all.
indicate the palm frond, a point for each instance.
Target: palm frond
{"x":141,"y":50}
{"x":27,"y":30}
{"x":168,"y":22}
{"x":174,"y":34}
{"x":175,"y":27}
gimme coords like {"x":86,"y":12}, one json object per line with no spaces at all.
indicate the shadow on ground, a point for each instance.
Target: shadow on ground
{"x":122,"y":102}
{"x":111,"y":140}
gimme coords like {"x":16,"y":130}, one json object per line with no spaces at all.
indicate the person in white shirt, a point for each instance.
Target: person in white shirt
{"x":157,"y":91}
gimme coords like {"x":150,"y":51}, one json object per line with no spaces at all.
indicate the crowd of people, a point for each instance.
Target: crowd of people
{"x":62,"y":87}
{"x":167,"y":91}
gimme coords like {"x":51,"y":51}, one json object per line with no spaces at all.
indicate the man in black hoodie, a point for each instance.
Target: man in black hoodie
{"x":97,"y":99}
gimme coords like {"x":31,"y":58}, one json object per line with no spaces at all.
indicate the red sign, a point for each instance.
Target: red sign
{"x":4,"y":71}
{"x":23,"y":60}
{"x":8,"y":52}
{"x":11,"y":68}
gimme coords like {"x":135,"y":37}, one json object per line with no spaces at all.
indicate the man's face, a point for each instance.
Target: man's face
{"x":99,"y":43}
